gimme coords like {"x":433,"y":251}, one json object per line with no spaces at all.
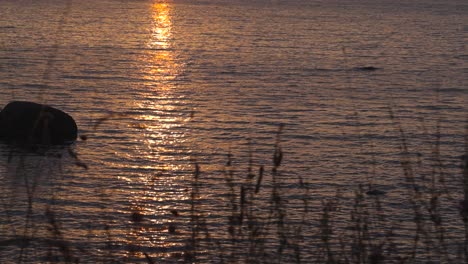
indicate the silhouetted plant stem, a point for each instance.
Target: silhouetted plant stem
{"x":464,"y":203}
{"x":191,"y":254}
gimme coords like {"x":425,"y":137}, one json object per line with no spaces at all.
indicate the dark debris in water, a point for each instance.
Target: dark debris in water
{"x":375,"y":192}
{"x":137,"y":217}
{"x":174,"y":213}
{"x":367,"y":68}
{"x":172,"y":228}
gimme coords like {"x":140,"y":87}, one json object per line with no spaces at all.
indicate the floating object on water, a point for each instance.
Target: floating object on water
{"x":367,"y":68}
{"x":34,"y":123}
{"x":375,"y":192}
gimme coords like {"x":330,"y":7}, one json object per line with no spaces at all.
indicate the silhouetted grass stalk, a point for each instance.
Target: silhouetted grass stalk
{"x":464,"y":202}
{"x":260,"y":230}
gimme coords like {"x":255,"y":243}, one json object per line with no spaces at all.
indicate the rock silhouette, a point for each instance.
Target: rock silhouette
{"x":34,"y":123}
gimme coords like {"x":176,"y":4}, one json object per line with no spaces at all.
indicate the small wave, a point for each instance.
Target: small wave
{"x":462,"y":56}
{"x":86,"y":77}
{"x":7,"y":27}
{"x":451,"y":90}
{"x":36,"y":85}
{"x":439,"y":107}
{"x":361,"y":69}
{"x":322,"y":70}
{"x":94,"y":77}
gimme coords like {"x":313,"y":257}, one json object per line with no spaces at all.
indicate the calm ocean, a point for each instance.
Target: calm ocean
{"x":159,"y":86}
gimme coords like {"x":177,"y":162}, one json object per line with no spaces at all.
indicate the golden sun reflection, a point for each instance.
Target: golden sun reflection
{"x":162,"y":25}
{"x":160,"y":153}
{"x":161,"y":64}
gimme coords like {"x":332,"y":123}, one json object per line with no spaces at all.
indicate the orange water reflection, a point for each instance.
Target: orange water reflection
{"x":160,"y":140}
{"x":162,"y":29}
{"x":160,"y":69}
{"x":162,"y":65}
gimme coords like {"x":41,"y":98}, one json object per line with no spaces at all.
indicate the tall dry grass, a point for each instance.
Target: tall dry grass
{"x":260,"y":227}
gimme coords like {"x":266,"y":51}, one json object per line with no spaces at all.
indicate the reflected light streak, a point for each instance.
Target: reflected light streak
{"x":159,"y":155}
{"x":162,"y":29}
{"x":159,"y":69}
{"x":161,"y":64}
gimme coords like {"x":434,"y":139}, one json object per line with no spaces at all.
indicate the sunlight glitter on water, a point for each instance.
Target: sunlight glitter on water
{"x":162,"y":26}
{"x":159,"y":61}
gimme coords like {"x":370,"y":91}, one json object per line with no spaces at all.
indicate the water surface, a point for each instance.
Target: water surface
{"x":158,"y":87}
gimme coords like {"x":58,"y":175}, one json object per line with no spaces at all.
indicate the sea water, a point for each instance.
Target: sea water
{"x":160,"y":88}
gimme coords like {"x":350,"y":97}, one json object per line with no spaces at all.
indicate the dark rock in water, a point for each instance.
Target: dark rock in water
{"x":29,"y":122}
